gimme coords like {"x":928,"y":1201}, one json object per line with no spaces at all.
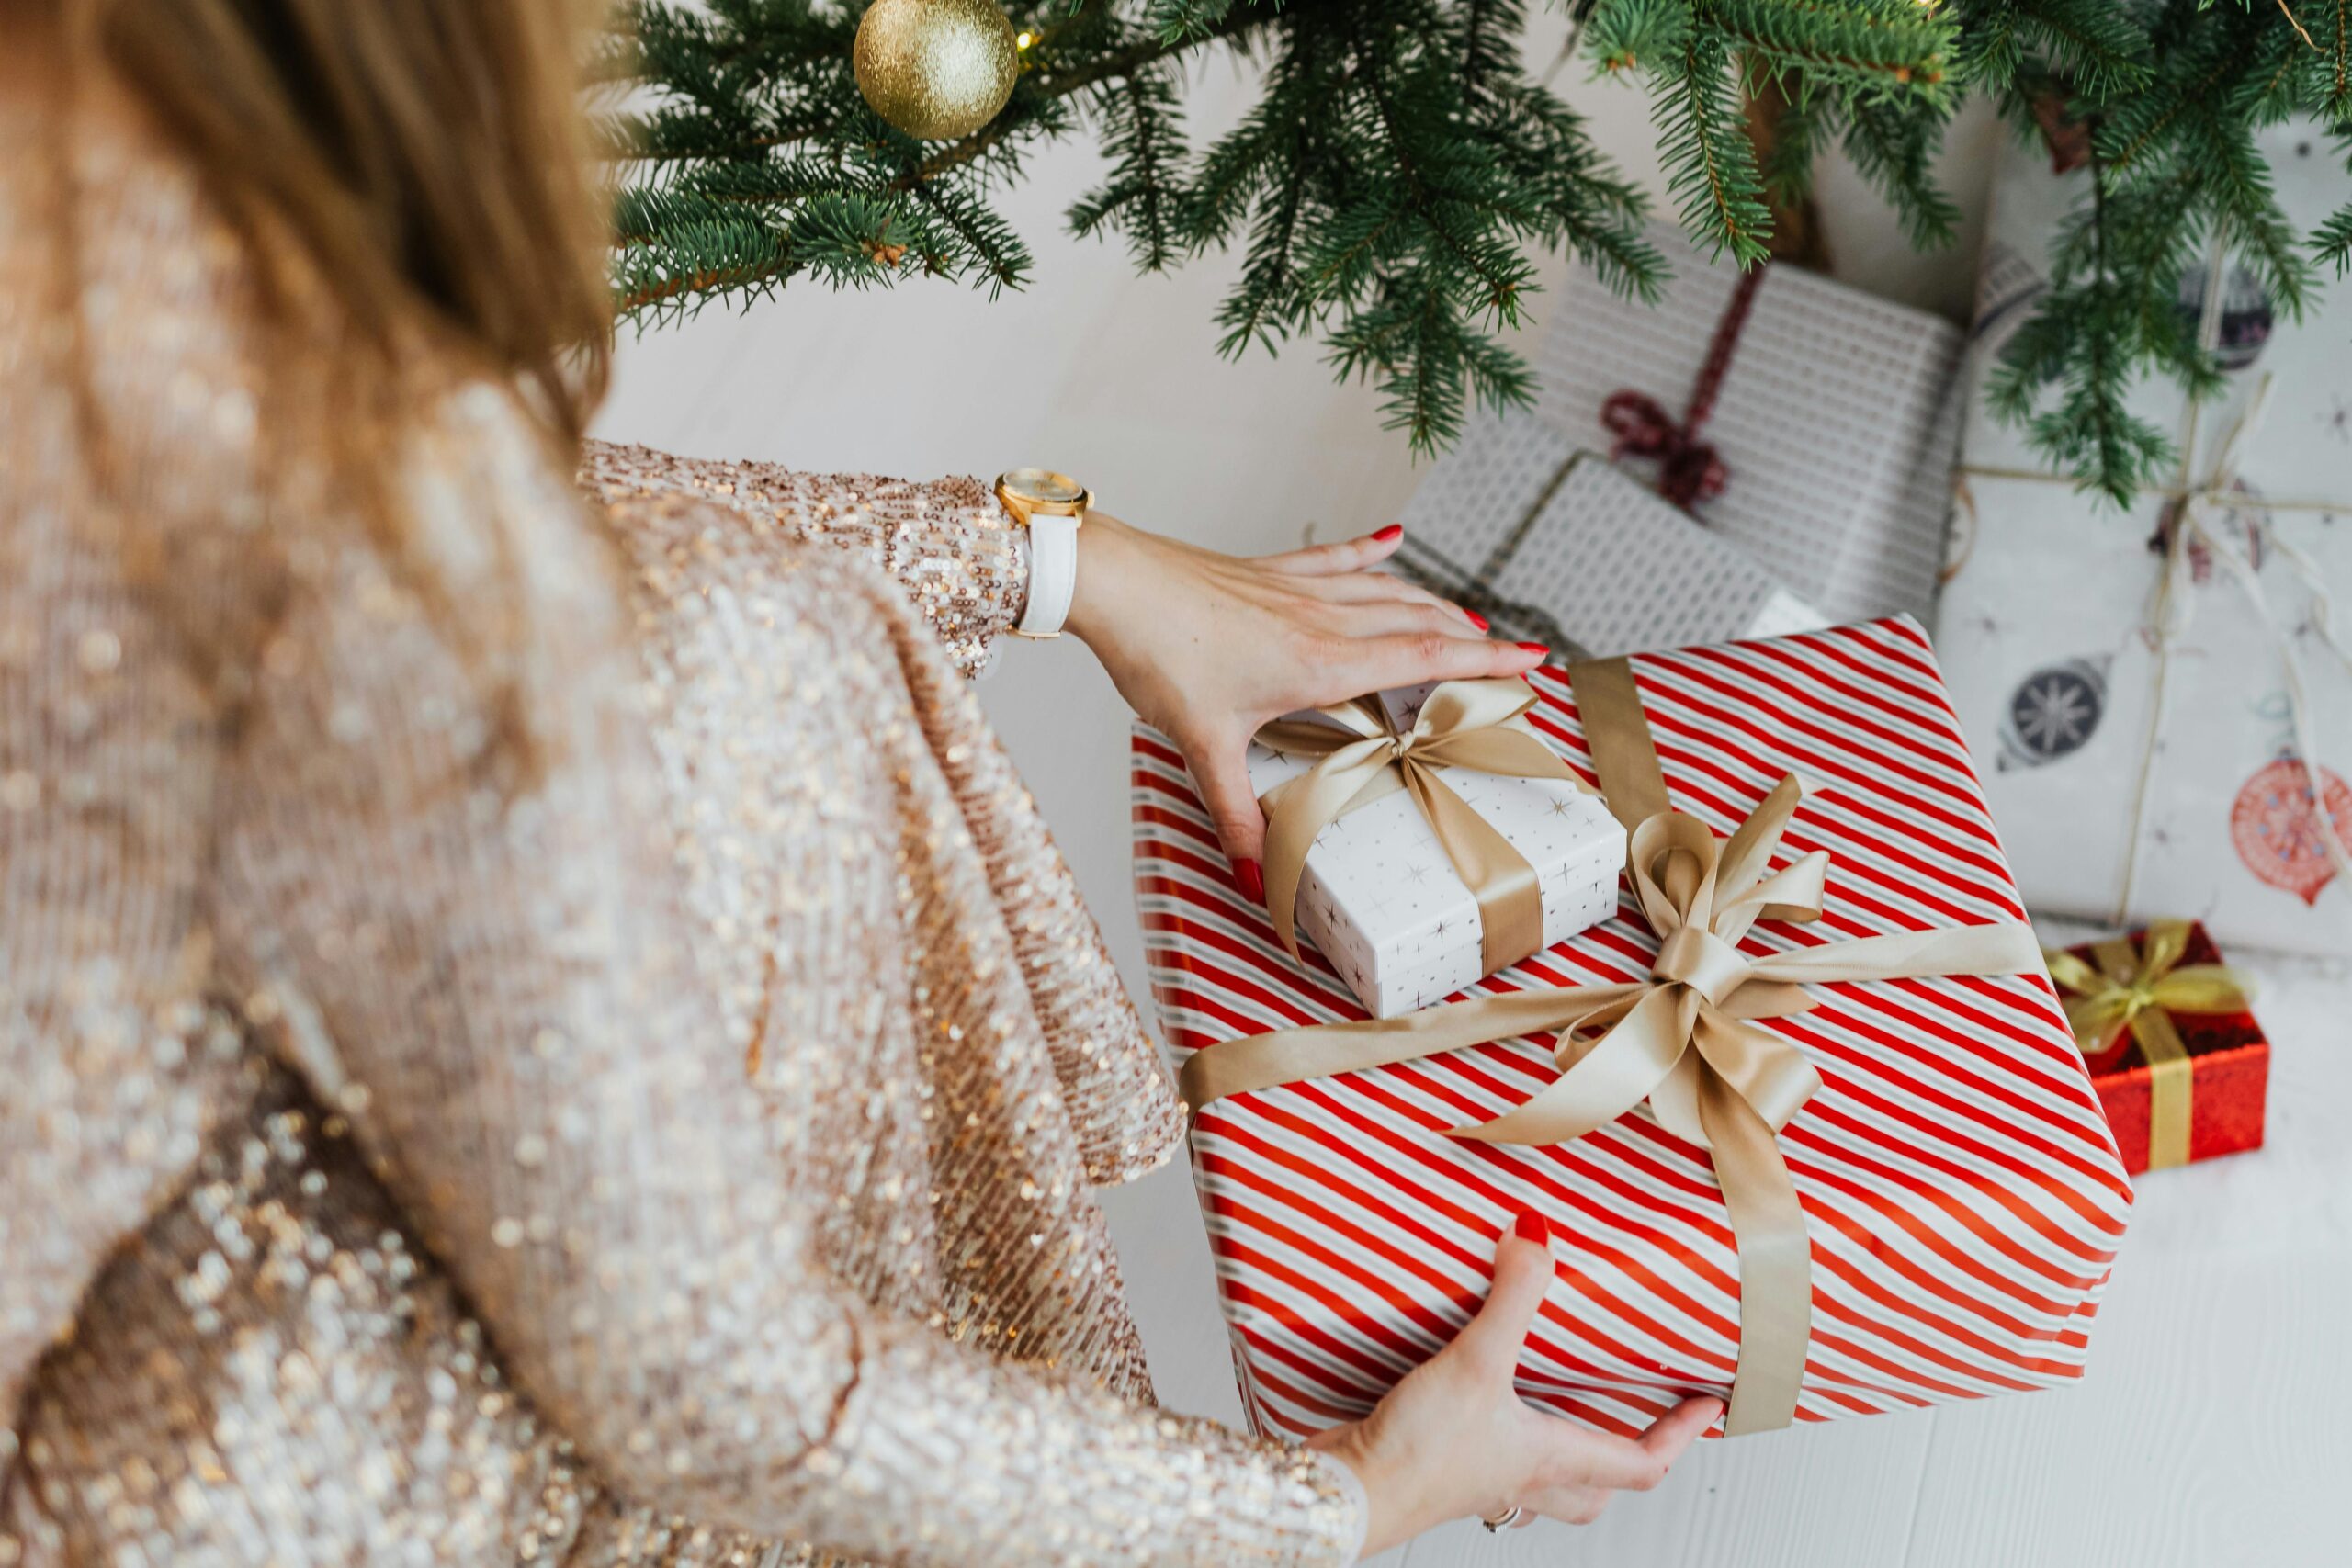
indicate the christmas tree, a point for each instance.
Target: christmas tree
{"x":1401,"y":165}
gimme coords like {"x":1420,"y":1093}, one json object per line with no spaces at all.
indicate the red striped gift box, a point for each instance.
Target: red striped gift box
{"x":1961,"y":1187}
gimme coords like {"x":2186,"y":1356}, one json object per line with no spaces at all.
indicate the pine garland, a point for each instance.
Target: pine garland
{"x":1400,"y":168}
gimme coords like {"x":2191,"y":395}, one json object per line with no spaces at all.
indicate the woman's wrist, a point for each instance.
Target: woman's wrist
{"x":1346,"y":1446}
{"x":1350,"y":1485}
{"x":1106,"y":549}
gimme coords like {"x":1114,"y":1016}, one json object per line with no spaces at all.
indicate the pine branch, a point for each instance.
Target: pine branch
{"x":965,"y":237}
{"x":1143,"y":197}
{"x":2095,"y":45}
{"x":1435,"y":194}
{"x":1489,"y":29}
{"x":2334,"y":99}
{"x":2331,"y":241}
{"x":1270,"y":303}
{"x":1806,"y":121}
{"x":1866,"y":51}
{"x":1183,"y":21}
{"x":1399,"y":165}
{"x":2081,"y":339}
{"x":1410,"y":327}
{"x":1895,"y":152}
{"x":1711,"y":164}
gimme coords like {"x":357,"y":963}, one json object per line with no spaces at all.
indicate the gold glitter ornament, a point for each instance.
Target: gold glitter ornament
{"x":936,"y":69}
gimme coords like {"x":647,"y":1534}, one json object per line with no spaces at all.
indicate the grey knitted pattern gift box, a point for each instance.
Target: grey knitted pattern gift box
{"x":1554,"y":544}
{"x":1831,"y":416}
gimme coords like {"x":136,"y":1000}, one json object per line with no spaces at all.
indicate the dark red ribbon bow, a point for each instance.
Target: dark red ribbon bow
{"x":1689,"y":469}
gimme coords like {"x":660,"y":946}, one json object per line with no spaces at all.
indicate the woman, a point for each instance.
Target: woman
{"x":527,"y":1043}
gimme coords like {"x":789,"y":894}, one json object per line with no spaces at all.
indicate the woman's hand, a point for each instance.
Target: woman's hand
{"x":1208,"y":647}
{"x":1454,"y":1439}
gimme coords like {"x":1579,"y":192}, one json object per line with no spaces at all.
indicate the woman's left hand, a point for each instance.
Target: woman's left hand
{"x":1208,"y":647}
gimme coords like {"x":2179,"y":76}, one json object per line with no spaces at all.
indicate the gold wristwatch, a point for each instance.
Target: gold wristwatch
{"x":1050,"y":506}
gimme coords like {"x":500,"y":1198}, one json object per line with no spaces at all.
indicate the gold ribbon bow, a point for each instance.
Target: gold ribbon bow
{"x":2140,"y":987}
{"x":1684,"y":1039}
{"x":1364,"y":757}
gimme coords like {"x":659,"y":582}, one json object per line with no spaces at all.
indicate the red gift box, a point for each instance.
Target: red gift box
{"x":1961,"y":1190}
{"x":2229,"y":1073}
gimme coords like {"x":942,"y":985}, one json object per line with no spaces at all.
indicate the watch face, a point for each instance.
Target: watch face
{"x":1044,"y":485}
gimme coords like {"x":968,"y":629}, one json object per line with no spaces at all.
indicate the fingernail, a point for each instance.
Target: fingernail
{"x":1473,"y":616}
{"x":1252,"y":877}
{"x":1535,"y":648}
{"x":1394,"y":531}
{"x":1530,"y":1226}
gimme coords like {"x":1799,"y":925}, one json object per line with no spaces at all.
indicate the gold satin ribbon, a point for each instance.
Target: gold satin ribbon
{"x":2140,"y":987}
{"x":1364,"y":757}
{"x":1684,"y":1039}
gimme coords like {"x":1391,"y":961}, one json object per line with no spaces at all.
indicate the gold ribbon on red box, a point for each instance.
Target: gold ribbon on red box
{"x":1684,"y":1039}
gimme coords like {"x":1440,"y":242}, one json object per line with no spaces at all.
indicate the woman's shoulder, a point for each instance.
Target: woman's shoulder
{"x":210,"y":364}
{"x":127,"y":305}
{"x":94,"y":194}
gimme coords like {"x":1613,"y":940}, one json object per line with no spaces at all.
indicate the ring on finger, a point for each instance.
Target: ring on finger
{"x":1503,"y":1521}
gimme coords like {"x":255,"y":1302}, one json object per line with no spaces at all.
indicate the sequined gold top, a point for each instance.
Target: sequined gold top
{"x":681,"y":1152}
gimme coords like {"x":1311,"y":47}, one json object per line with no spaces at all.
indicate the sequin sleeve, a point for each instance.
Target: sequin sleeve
{"x":947,"y":543}
{"x":677,"y":971}
{"x":108,"y":1086}
{"x":108,"y":768}
{"x":496,"y":975}
{"x":701,"y":525}
{"x":685,"y":554}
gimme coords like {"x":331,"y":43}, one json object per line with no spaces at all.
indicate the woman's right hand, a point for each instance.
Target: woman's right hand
{"x":1453,"y":1439}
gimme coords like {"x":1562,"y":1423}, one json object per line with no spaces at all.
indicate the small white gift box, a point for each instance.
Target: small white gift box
{"x":1385,"y":906}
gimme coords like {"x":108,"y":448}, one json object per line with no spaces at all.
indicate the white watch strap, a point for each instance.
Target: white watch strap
{"x":1053,"y":574}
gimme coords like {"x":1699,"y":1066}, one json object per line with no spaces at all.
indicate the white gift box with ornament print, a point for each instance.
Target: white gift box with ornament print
{"x":1959,"y":1188}
{"x":2150,"y":746}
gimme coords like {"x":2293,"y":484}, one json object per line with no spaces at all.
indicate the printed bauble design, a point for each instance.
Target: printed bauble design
{"x":936,"y":69}
{"x":2054,"y":712}
{"x":2247,"y":315}
{"x":2276,"y":831}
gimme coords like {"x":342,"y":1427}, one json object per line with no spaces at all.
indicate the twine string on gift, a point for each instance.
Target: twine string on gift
{"x":1690,"y":470}
{"x":2140,"y":987}
{"x":1683,"y":1040}
{"x":2171,"y":603}
{"x":2172,"y":607}
{"x":1362,"y":757}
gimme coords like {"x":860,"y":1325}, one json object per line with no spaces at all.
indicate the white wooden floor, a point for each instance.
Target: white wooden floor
{"x":2215,"y":1428}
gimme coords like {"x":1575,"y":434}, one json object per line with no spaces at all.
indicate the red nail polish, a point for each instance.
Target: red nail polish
{"x":1534,"y":647}
{"x":1394,"y":531}
{"x":1530,"y":1226}
{"x":1474,"y":619}
{"x":1252,"y":877}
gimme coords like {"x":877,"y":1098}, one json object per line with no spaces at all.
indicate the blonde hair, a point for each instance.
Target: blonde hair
{"x":425,"y":166}
{"x":429,"y":158}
